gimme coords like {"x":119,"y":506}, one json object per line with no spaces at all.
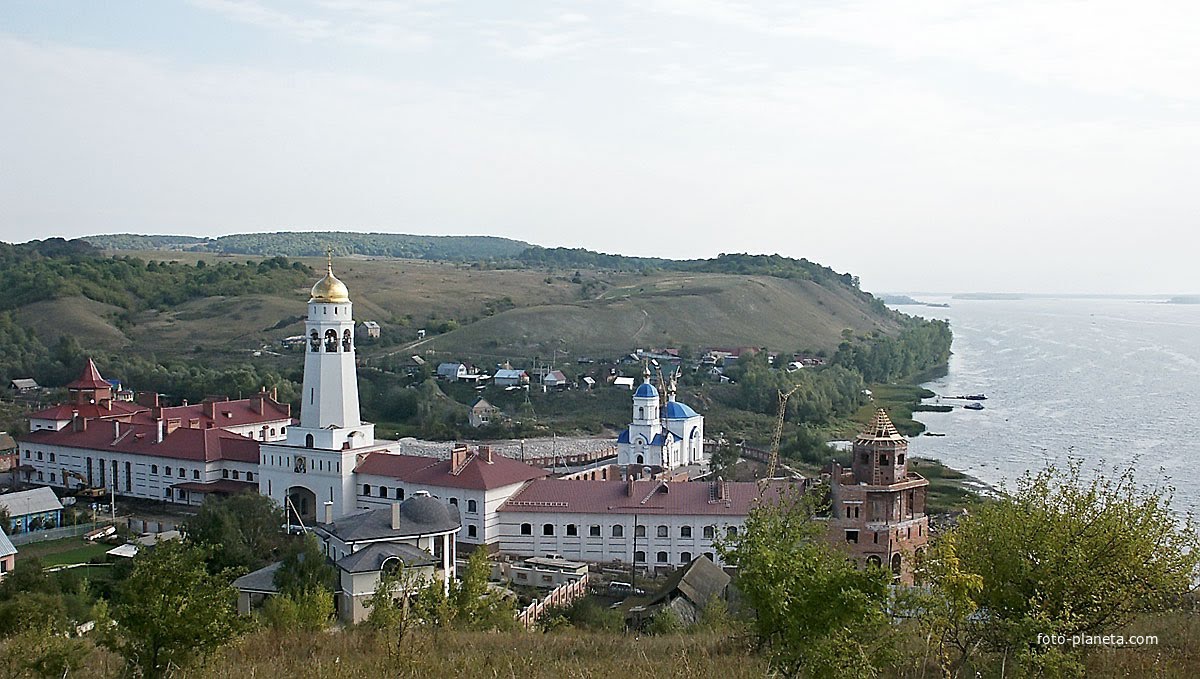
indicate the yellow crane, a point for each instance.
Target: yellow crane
{"x":773,"y":458}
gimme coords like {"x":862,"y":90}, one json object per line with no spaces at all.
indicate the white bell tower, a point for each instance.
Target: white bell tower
{"x":329,"y":416}
{"x":316,"y":464}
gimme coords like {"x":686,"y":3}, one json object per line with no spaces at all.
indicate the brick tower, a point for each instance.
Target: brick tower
{"x":878,"y":506}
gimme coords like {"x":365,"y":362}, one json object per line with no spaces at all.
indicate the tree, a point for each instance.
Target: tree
{"x":815,"y":613}
{"x":1065,"y":555}
{"x":242,"y":531}
{"x":306,"y":582}
{"x":475,"y":605}
{"x":171,"y":610}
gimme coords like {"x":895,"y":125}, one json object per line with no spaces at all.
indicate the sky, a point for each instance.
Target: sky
{"x":1012,"y":145}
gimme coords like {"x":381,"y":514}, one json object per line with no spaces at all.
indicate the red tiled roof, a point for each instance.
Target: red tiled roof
{"x":90,"y":378}
{"x":648,"y":497}
{"x":223,"y":413}
{"x":476,"y":474}
{"x":67,"y":411}
{"x":201,"y":445}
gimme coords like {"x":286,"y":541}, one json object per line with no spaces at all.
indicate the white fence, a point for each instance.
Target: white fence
{"x":54,"y":533}
{"x":559,"y":596}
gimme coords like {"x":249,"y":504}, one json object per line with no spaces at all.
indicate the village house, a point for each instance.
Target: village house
{"x":23,"y":385}
{"x":482,"y":413}
{"x":417,"y":535}
{"x":371,"y":329}
{"x":686,"y":593}
{"x":510,"y":377}
{"x":31,"y":510}
{"x":452,"y":372}
{"x":8,"y":555}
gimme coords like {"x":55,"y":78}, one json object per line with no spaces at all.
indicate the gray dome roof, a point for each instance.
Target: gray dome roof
{"x":425,"y":509}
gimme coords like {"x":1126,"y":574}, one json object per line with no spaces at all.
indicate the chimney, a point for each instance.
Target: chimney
{"x":395,"y":516}
{"x":629,"y":486}
{"x":486,"y":453}
{"x":328,"y":512}
{"x":159,"y":438}
{"x":210,"y":409}
{"x":258,"y":403}
{"x":148,"y":399}
{"x":458,"y":457}
{"x":79,"y":423}
{"x":116,"y":429}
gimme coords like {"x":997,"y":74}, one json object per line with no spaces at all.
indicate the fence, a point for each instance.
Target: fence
{"x":55,"y":533}
{"x":559,"y":596}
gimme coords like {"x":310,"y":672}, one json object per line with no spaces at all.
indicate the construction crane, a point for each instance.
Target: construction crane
{"x":773,"y":458}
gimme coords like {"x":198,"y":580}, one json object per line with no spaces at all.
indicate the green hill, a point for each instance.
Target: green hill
{"x":315,"y":244}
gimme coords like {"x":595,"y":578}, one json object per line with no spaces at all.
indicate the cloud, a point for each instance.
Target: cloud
{"x":374,"y":24}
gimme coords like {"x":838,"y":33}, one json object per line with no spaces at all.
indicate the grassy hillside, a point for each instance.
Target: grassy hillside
{"x":672,"y":310}
{"x":315,"y":243}
{"x":507,"y":313}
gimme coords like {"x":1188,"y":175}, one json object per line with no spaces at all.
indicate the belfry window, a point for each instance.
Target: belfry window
{"x":331,"y":340}
{"x":346,"y":341}
{"x":315,"y":341}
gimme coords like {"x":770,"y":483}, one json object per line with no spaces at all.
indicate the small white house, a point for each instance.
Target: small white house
{"x":452,"y":372}
{"x":510,"y":377}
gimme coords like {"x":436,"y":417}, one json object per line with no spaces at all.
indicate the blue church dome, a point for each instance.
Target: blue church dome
{"x":647,"y":390}
{"x":679,"y":411}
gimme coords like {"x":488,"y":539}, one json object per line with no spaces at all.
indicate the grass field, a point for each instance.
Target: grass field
{"x":503,"y":313}
{"x":63,"y":552}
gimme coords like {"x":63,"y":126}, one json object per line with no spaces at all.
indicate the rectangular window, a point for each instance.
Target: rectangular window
{"x":852,"y":536}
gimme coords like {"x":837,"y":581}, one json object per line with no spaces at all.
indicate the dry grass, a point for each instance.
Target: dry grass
{"x":623,"y":311}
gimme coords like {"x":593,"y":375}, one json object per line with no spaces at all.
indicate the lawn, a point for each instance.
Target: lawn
{"x":63,"y":552}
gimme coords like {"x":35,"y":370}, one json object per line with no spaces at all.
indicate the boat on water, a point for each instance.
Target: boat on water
{"x":931,"y":433}
{"x":973,"y":406}
{"x":969,"y":397}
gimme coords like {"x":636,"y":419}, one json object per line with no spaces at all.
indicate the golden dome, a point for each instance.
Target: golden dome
{"x":329,"y":288}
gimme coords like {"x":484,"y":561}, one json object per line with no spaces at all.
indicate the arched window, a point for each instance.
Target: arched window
{"x":548,"y":529}
{"x":249,"y":476}
{"x":572,"y":530}
{"x":314,"y":340}
{"x":454,"y":501}
{"x":662,"y":557}
{"x":639,"y":557}
{"x":896,"y":564}
{"x":641,"y":413}
{"x":618,"y":531}
{"x":685,"y":557}
{"x":383,"y":491}
{"x":346,"y":341}
{"x":641,"y":459}
{"x":399,"y":493}
{"x":711,"y":557}
{"x":472,"y":531}
{"x":526,"y":529}
{"x":731,"y":532}
{"x":664,"y":532}
{"x":331,"y":340}
{"x":472,"y":506}
{"x":236,"y":474}
{"x":874,"y":560}
{"x":639,"y":531}
{"x":366,"y":489}
{"x":308,"y":441}
{"x":685,"y":532}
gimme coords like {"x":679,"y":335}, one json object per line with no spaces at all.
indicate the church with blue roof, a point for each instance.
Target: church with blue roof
{"x":666,"y":435}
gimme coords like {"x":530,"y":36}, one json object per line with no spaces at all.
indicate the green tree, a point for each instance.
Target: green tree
{"x":171,"y":610}
{"x":815,"y":613}
{"x":1066,"y":555}
{"x":306,"y":582}
{"x":475,"y":604}
{"x":242,"y":531}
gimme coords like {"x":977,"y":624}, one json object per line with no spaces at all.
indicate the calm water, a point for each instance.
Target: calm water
{"x":1110,"y":380}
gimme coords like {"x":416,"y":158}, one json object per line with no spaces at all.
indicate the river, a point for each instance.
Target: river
{"x":1110,"y":381}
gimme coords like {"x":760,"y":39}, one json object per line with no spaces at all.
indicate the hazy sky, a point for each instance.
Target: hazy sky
{"x":1003,"y":146}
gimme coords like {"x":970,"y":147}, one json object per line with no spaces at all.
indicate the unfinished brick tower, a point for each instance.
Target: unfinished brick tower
{"x":878,"y":506}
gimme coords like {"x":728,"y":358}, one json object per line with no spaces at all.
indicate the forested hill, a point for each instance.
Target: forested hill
{"x":316,"y":243}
